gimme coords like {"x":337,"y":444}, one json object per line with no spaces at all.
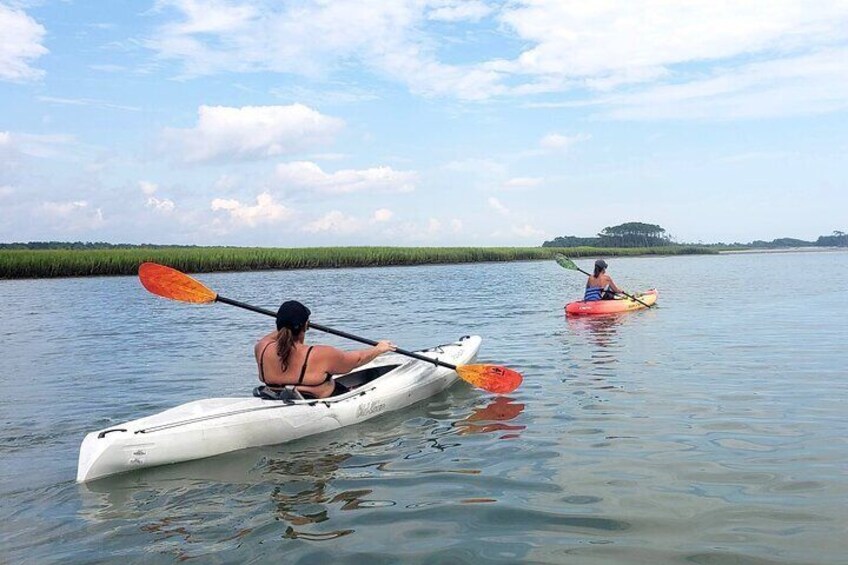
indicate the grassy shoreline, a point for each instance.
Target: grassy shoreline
{"x":51,"y":263}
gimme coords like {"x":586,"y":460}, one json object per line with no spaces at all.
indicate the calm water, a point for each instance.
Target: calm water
{"x":710,"y":430}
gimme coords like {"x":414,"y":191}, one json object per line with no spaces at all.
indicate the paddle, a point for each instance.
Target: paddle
{"x":567,"y":263}
{"x":171,"y":283}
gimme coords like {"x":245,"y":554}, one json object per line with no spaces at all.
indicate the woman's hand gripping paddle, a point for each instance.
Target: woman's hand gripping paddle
{"x":171,"y":283}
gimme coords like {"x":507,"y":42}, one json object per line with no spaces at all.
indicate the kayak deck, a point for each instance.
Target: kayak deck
{"x":596,"y":307}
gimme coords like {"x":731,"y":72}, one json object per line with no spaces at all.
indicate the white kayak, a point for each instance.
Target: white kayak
{"x":204,"y":428}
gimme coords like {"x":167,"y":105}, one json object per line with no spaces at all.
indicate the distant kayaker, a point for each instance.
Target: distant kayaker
{"x":600,"y":285}
{"x":308,"y":367}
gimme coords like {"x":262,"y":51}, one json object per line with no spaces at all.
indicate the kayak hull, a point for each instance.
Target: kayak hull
{"x":204,"y":428}
{"x":599,"y":307}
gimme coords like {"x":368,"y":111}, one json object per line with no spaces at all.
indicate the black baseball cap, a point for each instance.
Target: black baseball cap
{"x":292,"y":315}
{"x":601,"y":264}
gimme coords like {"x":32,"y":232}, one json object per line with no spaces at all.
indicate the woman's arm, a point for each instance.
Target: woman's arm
{"x":612,"y":286}
{"x":338,"y":361}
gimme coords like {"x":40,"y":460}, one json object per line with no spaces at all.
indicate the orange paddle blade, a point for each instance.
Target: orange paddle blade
{"x":171,"y":283}
{"x":492,"y":378}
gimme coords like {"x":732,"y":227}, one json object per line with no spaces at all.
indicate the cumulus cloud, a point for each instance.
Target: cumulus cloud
{"x":266,"y":210}
{"x":20,"y":45}
{"x":556,"y":142}
{"x":161,"y":205}
{"x":147,"y":187}
{"x":76,"y":215}
{"x":250,"y":132}
{"x":497,"y":206}
{"x":308,"y":175}
{"x":334,"y":222}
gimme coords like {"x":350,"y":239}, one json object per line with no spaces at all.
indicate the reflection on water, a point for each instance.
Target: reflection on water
{"x":491,"y":418}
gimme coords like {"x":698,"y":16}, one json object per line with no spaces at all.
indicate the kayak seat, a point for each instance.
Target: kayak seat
{"x":288,"y":393}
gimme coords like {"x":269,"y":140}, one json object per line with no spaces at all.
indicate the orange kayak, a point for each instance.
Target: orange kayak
{"x":593,"y":307}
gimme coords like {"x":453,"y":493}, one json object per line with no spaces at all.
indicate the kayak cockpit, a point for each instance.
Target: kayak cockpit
{"x":351,"y":381}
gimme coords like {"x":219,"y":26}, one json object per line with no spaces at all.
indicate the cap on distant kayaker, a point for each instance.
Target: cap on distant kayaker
{"x":309,"y":368}
{"x":600,"y":285}
{"x":292,"y":315}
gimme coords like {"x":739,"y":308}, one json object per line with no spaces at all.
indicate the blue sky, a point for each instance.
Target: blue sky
{"x":421,"y":122}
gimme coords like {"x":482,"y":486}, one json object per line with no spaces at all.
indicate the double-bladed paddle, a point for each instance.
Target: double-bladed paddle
{"x":171,"y":283}
{"x":567,"y":263}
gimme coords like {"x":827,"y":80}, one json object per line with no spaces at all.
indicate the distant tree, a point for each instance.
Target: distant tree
{"x":838,"y":239}
{"x":634,"y":234}
{"x":572,"y":241}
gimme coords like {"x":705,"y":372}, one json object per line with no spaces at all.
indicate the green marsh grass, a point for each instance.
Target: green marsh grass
{"x":21,"y":263}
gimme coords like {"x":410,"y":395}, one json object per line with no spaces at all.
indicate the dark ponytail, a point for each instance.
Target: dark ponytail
{"x":598,"y":271}
{"x":285,"y":342}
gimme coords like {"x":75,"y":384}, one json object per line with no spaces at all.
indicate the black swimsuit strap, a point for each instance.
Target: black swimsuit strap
{"x":262,"y":362}
{"x":305,"y":361}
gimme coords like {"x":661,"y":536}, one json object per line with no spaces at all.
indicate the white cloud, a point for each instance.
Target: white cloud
{"x":6,"y":190}
{"x":598,"y":46}
{"x":459,"y":10}
{"x":456,"y":225}
{"x":523,"y":182}
{"x":808,"y":84}
{"x":147,"y":187}
{"x":308,"y":175}
{"x":164,"y":205}
{"x":497,"y":206}
{"x":334,"y":222}
{"x":36,"y":145}
{"x":527,"y":231}
{"x":558,"y":142}
{"x":88,"y":102}
{"x":20,"y":44}
{"x":250,"y":132}
{"x":434,"y":226}
{"x":266,"y":210}
{"x":313,"y":38}
{"x":383,"y":215}
{"x":617,"y":42}
{"x":75,"y":215}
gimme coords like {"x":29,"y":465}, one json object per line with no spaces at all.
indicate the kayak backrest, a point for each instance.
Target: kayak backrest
{"x":287,"y":394}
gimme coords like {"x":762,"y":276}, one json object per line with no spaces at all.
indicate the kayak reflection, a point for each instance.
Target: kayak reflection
{"x":491,"y":418}
{"x":600,"y":329}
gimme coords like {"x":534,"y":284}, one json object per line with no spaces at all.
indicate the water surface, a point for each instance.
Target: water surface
{"x":709,"y":430}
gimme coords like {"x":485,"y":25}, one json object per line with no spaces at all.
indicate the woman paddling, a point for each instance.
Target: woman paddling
{"x":600,"y":285}
{"x":284,"y":359}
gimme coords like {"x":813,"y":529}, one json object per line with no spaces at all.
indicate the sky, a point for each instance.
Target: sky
{"x":421,"y":122}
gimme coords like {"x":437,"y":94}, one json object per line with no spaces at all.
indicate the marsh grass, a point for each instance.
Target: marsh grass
{"x":17,"y":264}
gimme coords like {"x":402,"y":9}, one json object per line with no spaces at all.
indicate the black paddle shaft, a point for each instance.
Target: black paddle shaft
{"x":624,"y":293}
{"x":339,"y":333}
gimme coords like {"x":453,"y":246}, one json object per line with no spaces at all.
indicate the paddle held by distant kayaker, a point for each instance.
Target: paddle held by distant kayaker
{"x":284,"y":358}
{"x":600,"y":285}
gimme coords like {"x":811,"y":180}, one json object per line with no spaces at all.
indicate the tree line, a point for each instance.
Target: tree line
{"x":638,"y":234}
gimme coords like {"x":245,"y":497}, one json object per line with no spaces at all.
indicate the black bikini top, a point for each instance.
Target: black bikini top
{"x":302,"y":370}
